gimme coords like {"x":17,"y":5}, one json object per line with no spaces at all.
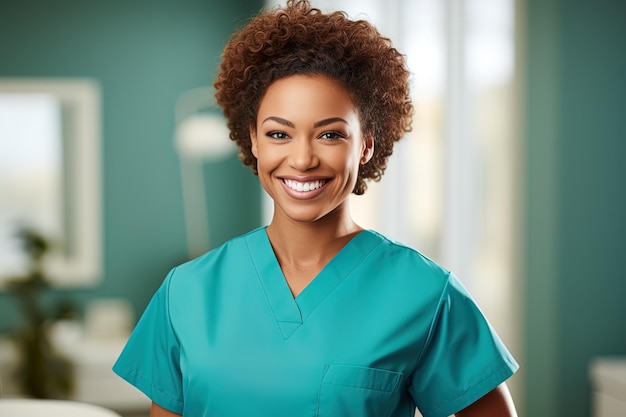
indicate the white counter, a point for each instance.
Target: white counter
{"x":608,"y":380}
{"x":95,"y":381}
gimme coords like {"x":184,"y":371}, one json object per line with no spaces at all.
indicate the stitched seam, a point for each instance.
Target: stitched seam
{"x":347,"y":275}
{"x":139,"y":375}
{"x":495,"y":372}
{"x":431,"y":328}
{"x":267,"y":298}
{"x":319,"y":391}
{"x":167,"y":305}
{"x":358,"y":387}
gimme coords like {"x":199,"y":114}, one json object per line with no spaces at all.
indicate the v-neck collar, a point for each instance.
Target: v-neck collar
{"x":289,"y":312}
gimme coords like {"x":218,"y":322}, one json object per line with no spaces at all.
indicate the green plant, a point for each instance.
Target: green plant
{"x":41,"y":372}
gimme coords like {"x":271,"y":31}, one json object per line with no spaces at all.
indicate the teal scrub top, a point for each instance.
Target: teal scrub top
{"x":379,"y":331}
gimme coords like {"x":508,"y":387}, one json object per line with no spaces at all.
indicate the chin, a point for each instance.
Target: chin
{"x":304,"y":215}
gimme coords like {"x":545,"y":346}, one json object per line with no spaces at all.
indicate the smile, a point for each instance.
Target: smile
{"x":303,"y":187}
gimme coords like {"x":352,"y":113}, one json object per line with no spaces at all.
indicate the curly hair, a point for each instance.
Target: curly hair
{"x":299,"y":39}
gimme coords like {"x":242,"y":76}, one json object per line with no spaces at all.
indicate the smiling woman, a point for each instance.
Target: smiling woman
{"x":313,"y":315}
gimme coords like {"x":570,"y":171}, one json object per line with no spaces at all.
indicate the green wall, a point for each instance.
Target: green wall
{"x":576,"y":164}
{"x":144,"y":54}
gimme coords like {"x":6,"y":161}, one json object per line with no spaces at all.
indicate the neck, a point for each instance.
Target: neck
{"x":309,"y":244}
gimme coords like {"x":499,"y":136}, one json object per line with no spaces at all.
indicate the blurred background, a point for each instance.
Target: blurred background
{"x":114,"y":167}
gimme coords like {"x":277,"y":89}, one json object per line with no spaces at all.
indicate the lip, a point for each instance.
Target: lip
{"x":304,"y":195}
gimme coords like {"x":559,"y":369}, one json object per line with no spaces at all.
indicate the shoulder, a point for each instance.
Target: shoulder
{"x":407,"y":267}
{"x":399,"y":255}
{"x":216,"y":262}
{"x":232,"y":247}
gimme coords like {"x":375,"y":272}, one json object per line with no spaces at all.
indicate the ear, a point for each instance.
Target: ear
{"x":255,"y":147}
{"x":368,"y":150}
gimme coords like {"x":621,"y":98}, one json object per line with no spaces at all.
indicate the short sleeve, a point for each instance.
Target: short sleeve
{"x":151,"y":358}
{"x":463,"y":358}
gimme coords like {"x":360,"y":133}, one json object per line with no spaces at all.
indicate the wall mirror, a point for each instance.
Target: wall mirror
{"x":50,"y":176}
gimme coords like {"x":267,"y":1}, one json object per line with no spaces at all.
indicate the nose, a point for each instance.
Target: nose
{"x":302,"y":154}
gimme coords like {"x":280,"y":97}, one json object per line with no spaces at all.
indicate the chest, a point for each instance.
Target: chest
{"x":260,"y":354}
{"x":347,"y":345}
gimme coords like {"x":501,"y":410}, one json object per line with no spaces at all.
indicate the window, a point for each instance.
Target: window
{"x":50,"y":176}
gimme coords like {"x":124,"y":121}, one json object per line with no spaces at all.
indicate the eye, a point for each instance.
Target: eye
{"x":331,"y":135}
{"x":277,"y":135}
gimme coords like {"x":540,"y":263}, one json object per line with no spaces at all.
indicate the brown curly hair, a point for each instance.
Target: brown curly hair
{"x":299,"y":39}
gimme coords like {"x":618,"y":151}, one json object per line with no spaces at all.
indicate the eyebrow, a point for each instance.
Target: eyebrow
{"x":280,"y":120}
{"x":286,"y":122}
{"x":329,"y":121}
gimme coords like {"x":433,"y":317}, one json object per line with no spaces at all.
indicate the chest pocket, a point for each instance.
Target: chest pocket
{"x":351,"y":391}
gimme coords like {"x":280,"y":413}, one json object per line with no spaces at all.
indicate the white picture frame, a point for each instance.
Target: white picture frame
{"x":80,"y":100}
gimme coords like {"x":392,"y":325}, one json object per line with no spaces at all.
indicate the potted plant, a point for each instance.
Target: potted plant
{"x":41,"y":371}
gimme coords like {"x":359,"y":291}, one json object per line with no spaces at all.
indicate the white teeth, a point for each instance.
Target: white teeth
{"x":304,"y":186}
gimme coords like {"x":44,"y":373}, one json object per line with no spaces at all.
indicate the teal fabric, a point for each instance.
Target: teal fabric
{"x":379,"y":331}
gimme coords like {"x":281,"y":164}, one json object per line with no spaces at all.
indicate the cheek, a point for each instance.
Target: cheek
{"x":267,"y":157}
{"x":345,"y":161}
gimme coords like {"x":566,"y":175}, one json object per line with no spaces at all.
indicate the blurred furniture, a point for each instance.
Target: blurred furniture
{"x":93,"y":345}
{"x":201,"y":136}
{"x":51,"y":408}
{"x":608,"y":380}
{"x":97,"y":384}
{"x":95,"y":381}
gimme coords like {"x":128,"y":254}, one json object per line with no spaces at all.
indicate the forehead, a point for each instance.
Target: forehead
{"x":307,"y":94}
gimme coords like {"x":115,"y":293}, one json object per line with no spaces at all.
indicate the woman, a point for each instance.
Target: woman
{"x":312,"y":315}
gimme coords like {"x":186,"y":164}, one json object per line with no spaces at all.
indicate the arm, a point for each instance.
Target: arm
{"x":497,"y":403}
{"x":158,"y":411}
